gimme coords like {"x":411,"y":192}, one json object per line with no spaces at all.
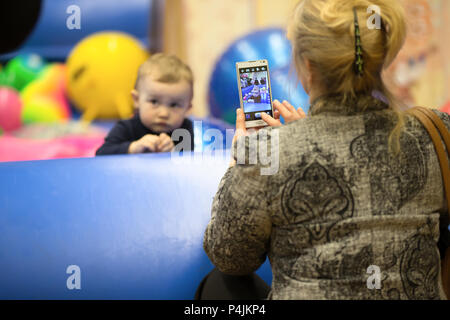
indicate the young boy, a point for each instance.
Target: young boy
{"x":253,"y":96}
{"x":162,"y":97}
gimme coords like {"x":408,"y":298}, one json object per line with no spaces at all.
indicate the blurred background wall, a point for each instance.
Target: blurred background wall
{"x":421,"y":73}
{"x":42,"y":96}
{"x":205,"y":28}
{"x":199,"y":31}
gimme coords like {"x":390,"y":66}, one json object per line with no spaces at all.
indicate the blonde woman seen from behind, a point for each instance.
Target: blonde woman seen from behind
{"x":356,"y":209}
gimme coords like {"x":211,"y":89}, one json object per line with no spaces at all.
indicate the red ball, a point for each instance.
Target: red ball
{"x":446,"y":108}
{"x":10,"y":109}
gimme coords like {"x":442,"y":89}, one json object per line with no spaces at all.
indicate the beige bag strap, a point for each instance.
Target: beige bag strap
{"x":437,"y":130}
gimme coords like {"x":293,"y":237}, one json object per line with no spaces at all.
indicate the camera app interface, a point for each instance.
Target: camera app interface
{"x":254,"y":87}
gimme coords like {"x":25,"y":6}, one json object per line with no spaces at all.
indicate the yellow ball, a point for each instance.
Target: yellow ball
{"x":101,"y":72}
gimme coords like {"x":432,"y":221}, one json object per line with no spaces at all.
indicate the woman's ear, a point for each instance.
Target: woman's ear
{"x":135,"y":96}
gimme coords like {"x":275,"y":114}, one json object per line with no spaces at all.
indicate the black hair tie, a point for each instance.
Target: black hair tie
{"x":358,"y":49}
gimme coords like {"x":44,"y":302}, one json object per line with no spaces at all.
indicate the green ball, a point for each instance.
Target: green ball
{"x":6,"y":79}
{"x":41,"y":109}
{"x":23,"y":69}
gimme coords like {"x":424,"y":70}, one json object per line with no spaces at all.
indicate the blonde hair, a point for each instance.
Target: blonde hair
{"x":323,"y":32}
{"x":165,"y":68}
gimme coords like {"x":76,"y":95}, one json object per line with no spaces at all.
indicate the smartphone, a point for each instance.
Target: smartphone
{"x":255,"y":93}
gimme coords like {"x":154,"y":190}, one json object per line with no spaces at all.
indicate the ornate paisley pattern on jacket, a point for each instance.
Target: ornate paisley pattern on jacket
{"x":338,"y":204}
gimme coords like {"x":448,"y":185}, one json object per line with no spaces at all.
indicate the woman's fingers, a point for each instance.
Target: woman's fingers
{"x":240,"y":120}
{"x":276,"y":114}
{"x":288,"y":106}
{"x":283,"y":110}
{"x":288,"y":111}
{"x":240,"y":125}
{"x":270,"y":121}
{"x":301,"y":112}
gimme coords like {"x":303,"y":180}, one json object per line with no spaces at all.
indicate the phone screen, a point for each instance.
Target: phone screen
{"x":255,"y":91}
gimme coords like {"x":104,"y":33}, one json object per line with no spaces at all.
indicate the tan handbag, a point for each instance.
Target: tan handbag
{"x":437,"y":131}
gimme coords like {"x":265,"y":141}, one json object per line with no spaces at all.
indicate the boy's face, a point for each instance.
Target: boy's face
{"x":162,"y":106}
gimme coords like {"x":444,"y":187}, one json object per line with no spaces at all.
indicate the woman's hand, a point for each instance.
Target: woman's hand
{"x":284,"y":109}
{"x":241,"y":130}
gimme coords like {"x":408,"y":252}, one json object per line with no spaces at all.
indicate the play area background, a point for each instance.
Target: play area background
{"x":43,"y":121}
{"x":134,"y":224}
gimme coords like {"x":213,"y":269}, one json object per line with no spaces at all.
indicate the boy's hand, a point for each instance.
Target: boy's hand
{"x":165,"y":143}
{"x":152,"y":143}
{"x":148,"y":142}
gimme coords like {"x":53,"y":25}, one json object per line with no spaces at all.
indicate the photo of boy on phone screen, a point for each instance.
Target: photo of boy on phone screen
{"x":255,"y":92}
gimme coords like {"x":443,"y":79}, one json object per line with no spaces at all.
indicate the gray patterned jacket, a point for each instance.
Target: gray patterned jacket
{"x":338,"y":204}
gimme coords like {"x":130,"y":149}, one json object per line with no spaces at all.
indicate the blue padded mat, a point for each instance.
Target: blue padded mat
{"x":134,"y":225}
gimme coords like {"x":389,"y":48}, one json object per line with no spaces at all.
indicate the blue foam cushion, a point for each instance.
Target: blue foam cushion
{"x":134,"y":224}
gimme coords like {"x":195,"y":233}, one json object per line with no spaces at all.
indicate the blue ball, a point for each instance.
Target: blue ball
{"x":270,"y":44}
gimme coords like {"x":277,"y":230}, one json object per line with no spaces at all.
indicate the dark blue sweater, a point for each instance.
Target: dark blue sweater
{"x":126,"y":131}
